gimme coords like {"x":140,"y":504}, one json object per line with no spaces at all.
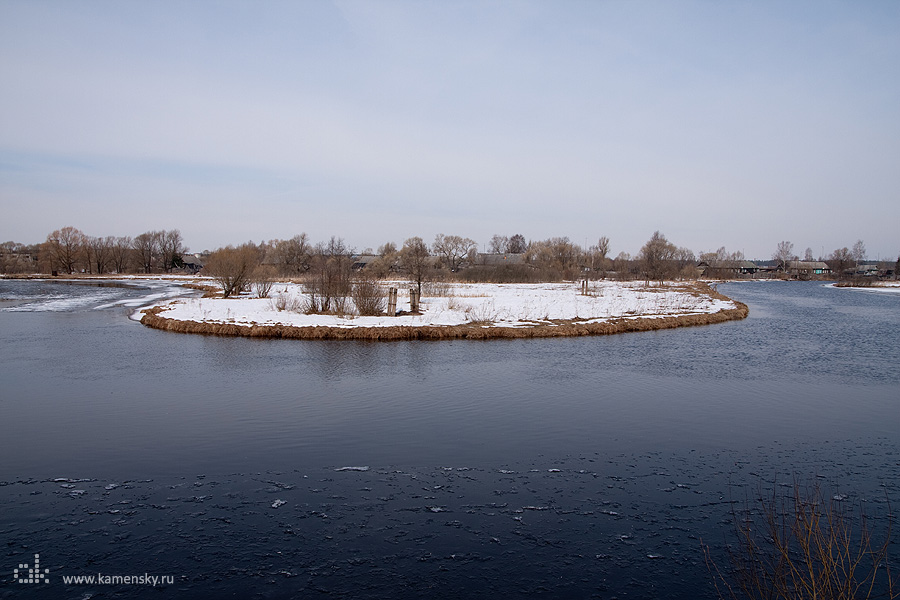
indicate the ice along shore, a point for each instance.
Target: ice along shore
{"x":459,"y":311}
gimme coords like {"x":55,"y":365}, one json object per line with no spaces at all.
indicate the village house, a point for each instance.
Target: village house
{"x":806,"y":269}
{"x":727,"y":269}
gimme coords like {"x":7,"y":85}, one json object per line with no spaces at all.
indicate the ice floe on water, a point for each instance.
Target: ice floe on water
{"x":99,"y":294}
{"x":597,"y":526}
{"x":64,"y":302}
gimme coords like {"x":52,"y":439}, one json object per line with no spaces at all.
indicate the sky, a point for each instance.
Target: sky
{"x":734,"y":123}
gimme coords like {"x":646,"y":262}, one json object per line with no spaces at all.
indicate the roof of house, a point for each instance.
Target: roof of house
{"x":728,"y":264}
{"x":806,"y":265}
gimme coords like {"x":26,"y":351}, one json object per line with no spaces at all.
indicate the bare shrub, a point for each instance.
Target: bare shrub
{"x":483,"y":314}
{"x":437,"y":289}
{"x":368,"y":296}
{"x":285,"y":301}
{"x":328,"y":285}
{"x":262,"y":280}
{"x":806,"y":546}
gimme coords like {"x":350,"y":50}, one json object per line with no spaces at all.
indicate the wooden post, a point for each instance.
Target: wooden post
{"x":584,"y":287}
{"x":413,"y":300}
{"x":392,"y":301}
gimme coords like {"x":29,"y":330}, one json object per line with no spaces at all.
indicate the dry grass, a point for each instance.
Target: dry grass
{"x":806,"y":546}
{"x":209,"y":291}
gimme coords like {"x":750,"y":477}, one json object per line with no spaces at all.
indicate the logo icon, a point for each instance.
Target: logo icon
{"x":26,"y":574}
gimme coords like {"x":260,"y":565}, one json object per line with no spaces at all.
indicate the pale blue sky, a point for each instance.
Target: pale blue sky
{"x":718,"y":123}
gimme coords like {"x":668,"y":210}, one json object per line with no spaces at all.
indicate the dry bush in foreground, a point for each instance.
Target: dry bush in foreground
{"x":263,"y":278}
{"x":805,"y":546}
{"x":368,"y":296}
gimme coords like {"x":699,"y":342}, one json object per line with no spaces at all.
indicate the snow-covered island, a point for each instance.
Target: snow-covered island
{"x":458,"y":310}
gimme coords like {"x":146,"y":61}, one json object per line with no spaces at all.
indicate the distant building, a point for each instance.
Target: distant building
{"x":806,"y":269}
{"x":192,"y":263}
{"x":362,"y":261}
{"x":727,"y":269}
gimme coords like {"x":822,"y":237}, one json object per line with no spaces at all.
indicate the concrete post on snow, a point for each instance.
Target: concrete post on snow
{"x":392,"y":301}
{"x":413,"y":300}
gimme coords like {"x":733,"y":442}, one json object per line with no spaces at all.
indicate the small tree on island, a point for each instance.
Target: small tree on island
{"x":657,"y":257}
{"x":414,"y":259}
{"x":232,"y":268}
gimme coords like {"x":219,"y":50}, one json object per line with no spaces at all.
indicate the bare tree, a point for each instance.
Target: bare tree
{"x":293,"y":256}
{"x":517,"y":244}
{"x":808,"y":255}
{"x":453,"y":250}
{"x":783,"y":253}
{"x":388,"y":258}
{"x":329,"y":284}
{"x":232,"y":267}
{"x":18,"y":258}
{"x":171,"y":247}
{"x":841,"y":260}
{"x":685,"y":263}
{"x":624,"y":266}
{"x":146,"y":250}
{"x":387,"y":248}
{"x":657,"y":257}
{"x":100,"y":252}
{"x":555,"y":258}
{"x":603,"y":247}
{"x":120,"y":253}
{"x":66,"y":249}
{"x":499,"y":244}
{"x":414,"y":259}
{"x":859,"y":252}
{"x":597,"y":254}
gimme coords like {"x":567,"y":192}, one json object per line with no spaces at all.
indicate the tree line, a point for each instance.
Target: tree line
{"x":332,"y":272}
{"x":69,"y":250}
{"x":330,"y":264}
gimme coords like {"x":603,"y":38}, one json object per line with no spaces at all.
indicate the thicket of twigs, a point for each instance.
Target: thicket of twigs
{"x":806,"y":546}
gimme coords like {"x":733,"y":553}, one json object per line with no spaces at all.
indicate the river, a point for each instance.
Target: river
{"x":569,"y":467}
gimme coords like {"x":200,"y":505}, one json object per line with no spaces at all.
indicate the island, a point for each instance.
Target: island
{"x":455,"y":311}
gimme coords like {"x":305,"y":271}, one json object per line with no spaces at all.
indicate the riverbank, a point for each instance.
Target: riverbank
{"x":460,"y":311}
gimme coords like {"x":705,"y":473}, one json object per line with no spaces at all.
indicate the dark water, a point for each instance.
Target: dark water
{"x":560,"y":468}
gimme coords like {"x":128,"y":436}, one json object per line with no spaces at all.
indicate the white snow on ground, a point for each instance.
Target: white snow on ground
{"x":501,"y":305}
{"x":885,"y":287}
